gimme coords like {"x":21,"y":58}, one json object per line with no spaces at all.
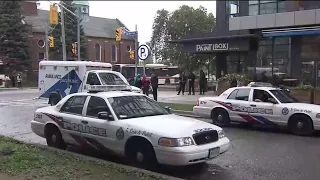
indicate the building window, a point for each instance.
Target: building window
{"x":232,"y":8}
{"x":97,"y":48}
{"x":128,"y":48}
{"x":273,"y":56}
{"x":41,"y":43}
{"x":266,"y":7}
{"x":41,"y":56}
{"x":114,"y":54}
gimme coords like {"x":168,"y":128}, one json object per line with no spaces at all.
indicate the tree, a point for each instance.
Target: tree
{"x":172,"y":26}
{"x":70,"y":35}
{"x":160,"y":36}
{"x":149,"y":60}
{"x":14,"y":42}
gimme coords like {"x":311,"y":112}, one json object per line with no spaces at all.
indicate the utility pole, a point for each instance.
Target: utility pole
{"x":78,"y":33}
{"x":46,"y":40}
{"x":63,"y":35}
{"x":136,"y":46}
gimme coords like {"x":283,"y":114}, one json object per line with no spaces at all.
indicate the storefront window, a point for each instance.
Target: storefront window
{"x":274,"y":61}
{"x":310,"y":51}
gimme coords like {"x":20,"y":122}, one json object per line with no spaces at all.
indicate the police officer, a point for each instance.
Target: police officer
{"x":154,"y":84}
{"x":191,"y":79}
{"x":182,"y":83}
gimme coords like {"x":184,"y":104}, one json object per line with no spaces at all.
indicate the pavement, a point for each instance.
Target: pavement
{"x":255,"y":153}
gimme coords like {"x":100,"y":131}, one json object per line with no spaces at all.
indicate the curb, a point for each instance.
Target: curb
{"x":16,"y":89}
{"x":121,"y":166}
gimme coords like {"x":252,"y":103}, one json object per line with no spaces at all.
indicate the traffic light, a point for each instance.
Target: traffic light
{"x":131,"y":55}
{"x":74,"y":48}
{"x":51,"y":41}
{"x":118,"y":34}
{"x":53,"y":15}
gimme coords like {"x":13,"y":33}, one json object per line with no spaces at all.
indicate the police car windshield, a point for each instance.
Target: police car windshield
{"x":283,"y":96}
{"x":111,"y":79}
{"x":126,"y":107}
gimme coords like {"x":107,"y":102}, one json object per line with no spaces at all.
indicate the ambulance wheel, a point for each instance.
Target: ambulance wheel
{"x":54,"y":137}
{"x":220,"y":117}
{"x":301,"y":125}
{"x":140,"y":152}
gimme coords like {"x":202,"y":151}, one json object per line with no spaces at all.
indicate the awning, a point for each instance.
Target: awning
{"x":292,"y":32}
{"x":215,"y":38}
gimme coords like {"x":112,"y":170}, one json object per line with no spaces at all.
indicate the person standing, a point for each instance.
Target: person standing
{"x":13,"y":80}
{"x":145,"y":85}
{"x":19,"y":80}
{"x":6,"y":81}
{"x":154,"y":84}
{"x":191,"y":79}
{"x":202,"y":82}
{"x":182,"y":83}
{"x":137,"y":82}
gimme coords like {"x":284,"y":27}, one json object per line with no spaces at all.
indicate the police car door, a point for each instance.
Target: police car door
{"x":262,"y":110}
{"x":100,"y":133}
{"x":71,"y":114}
{"x":238,"y":103}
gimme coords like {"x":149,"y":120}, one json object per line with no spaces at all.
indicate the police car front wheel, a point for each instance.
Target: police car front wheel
{"x":141,"y":153}
{"x":301,"y":125}
{"x":54,"y":138}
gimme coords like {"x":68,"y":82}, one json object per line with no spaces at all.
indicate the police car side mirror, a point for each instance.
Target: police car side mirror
{"x":168,"y":108}
{"x":105,"y":115}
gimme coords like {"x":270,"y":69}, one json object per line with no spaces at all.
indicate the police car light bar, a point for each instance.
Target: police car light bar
{"x":103,"y":88}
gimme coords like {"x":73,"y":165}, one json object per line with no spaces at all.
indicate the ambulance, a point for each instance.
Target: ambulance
{"x":68,"y":77}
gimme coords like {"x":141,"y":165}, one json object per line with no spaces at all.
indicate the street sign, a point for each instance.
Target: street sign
{"x":144,"y":52}
{"x":131,"y":33}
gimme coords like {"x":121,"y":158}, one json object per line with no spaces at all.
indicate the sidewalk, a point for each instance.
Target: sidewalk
{"x":172,"y":97}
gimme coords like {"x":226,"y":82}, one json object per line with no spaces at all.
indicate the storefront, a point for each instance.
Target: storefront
{"x":232,"y":53}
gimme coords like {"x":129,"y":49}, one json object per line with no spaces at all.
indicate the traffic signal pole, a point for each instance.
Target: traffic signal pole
{"x":136,"y":46}
{"x":46,"y":41}
{"x":78,"y":34}
{"x":63,"y":32}
{"x":63,"y":35}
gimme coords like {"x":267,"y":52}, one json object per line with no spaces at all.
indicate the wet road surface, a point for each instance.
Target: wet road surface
{"x":255,"y":153}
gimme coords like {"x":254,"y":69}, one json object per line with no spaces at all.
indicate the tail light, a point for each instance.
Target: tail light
{"x":198,"y":102}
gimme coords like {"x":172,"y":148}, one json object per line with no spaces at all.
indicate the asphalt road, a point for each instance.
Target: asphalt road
{"x":255,"y":153}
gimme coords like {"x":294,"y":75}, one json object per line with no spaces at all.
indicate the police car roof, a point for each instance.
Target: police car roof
{"x":262,"y":88}
{"x":109,"y":94}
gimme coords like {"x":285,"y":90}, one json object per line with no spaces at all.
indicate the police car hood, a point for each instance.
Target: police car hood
{"x":171,"y":125}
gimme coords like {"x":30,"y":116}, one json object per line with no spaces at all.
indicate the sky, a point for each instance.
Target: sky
{"x":140,"y":13}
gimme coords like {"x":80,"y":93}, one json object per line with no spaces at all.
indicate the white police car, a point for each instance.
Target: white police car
{"x":260,"y":105}
{"x":131,"y":125}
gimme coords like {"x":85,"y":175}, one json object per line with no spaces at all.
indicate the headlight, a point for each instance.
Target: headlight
{"x":176,"y":142}
{"x":221,"y":134}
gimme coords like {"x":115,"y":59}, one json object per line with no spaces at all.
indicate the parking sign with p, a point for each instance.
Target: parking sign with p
{"x":144,"y":52}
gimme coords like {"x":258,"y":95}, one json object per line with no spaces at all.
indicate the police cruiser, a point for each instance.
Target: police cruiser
{"x":128,"y":124}
{"x":268,"y":106}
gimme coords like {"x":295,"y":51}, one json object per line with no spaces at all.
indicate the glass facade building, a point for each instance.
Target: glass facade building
{"x":274,"y":36}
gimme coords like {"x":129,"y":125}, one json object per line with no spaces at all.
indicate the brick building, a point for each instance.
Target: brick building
{"x":100,"y":34}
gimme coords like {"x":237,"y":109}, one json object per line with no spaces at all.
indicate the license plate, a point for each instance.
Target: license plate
{"x":213,"y":152}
